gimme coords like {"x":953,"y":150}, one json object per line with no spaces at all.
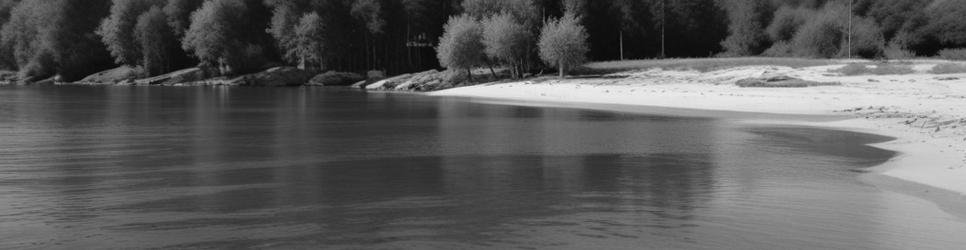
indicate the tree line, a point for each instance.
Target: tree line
{"x":74,"y":38}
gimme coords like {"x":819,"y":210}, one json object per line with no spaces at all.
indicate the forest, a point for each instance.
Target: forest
{"x":71,"y":39}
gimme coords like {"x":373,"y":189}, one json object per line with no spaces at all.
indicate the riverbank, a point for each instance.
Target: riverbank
{"x":917,"y":102}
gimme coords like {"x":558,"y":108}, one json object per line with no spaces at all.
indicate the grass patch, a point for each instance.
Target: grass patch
{"x":948,"y":68}
{"x":856,"y":69}
{"x":699,"y":64}
{"x":781,"y":82}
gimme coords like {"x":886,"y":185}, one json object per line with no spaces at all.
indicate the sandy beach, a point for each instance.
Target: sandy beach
{"x":926,"y":112}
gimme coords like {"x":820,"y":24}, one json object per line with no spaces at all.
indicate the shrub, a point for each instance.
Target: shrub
{"x":461,"y":46}
{"x":779,"y":49}
{"x":333,"y":78}
{"x":953,"y":54}
{"x":948,"y":68}
{"x":855,"y":69}
{"x":894,"y":51}
{"x":563,"y":43}
{"x":786,"y":23}
{"x":819,"y":38}
{"x":867,"y":39}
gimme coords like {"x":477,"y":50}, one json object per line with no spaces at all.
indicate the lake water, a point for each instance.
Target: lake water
{"x":236,"y":168}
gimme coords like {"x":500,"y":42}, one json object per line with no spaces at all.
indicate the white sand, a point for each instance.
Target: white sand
{"x":927,"y":113}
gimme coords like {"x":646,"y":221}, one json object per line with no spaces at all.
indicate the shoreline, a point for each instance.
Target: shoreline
{"x":926,"y":118}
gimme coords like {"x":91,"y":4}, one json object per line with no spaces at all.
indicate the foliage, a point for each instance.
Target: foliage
{"x":461,"y":46}
{"x":563,"y":43}
{"x":333,"y":78}
{"x":867,"y":39}
{"x":747,"y":28}
{"x":156,"y":41}
{"x":947,"y":24}
{"x":178,"y":13}
{"x":48,"y":37}
{"x":213,"y":33}
{"x":786,"y":23}
{"x":948,"y":68}
{"x":953,"y":54}
{"x":310,"y":35}
{"x":855,"y":69}
{"x":507,"y":41}
{"x":117,"y":31}
{"x":821,"y":36}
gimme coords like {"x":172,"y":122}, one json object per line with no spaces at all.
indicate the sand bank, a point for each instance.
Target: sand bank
{"x":926,"y":112}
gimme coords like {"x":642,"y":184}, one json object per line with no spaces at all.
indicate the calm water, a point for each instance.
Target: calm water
{"x":304,"y":168}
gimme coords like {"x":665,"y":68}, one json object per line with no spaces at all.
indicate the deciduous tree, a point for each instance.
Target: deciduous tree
{"x":563,"y":43}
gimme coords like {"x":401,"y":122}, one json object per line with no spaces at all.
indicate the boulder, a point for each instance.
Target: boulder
{"x":176,"y":77}
{"x":273,"y":77}
{"x":388,"y":83}
{"x":333,"y":78}
{"x":113,"y":76}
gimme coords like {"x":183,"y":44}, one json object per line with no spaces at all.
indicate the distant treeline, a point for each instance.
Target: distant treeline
{"x":74,"y":38}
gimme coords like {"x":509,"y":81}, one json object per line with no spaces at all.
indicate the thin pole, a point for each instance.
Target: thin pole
{"x":850,"y":29}
{"x":663,"y":21}
{"x":622,"y":44}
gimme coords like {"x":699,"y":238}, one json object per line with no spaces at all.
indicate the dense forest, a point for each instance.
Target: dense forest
{"x":74,"y":38}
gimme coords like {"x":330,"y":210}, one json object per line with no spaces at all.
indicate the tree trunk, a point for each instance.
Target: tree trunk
{"x":469,"y":74}
{"x":560,"y":67}
{"x":492,"y":72}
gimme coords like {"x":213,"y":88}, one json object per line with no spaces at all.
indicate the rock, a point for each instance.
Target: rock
{"x":388,"y":83}
{"x":274,"y":77}
{"x":113,"y":76}
{"x":176,"y":77}
{"x":333,"y":78}
{"x":360,"y":84}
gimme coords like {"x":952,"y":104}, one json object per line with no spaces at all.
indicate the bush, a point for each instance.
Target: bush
{"x":867,"y":39}
{"x":333,"y":78}
{"x":563,"y":43}
{"x":948,"y":68}
{"x":779,"y":49}
{"x":819,"y":38}
{"x":894,"y":51}
{"x":855,"y":69}
{"x":953,"y":54}
{"x":786,"y":23}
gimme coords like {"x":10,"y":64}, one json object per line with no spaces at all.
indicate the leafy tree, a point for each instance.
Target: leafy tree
{"x":507,"y":41}
{"x":747,"y":28}
{"x":285,"y":18}
{"x":156,"y":41}
{"x":50,"y":37}
{"x":117,"y":31}
{"x":214,"y":34}
{"x":461,"y":46}
{"x":563,"y":43}
{"x":178,"y":13}
{"x":310,"y":39}
{"x":947,"y":23}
